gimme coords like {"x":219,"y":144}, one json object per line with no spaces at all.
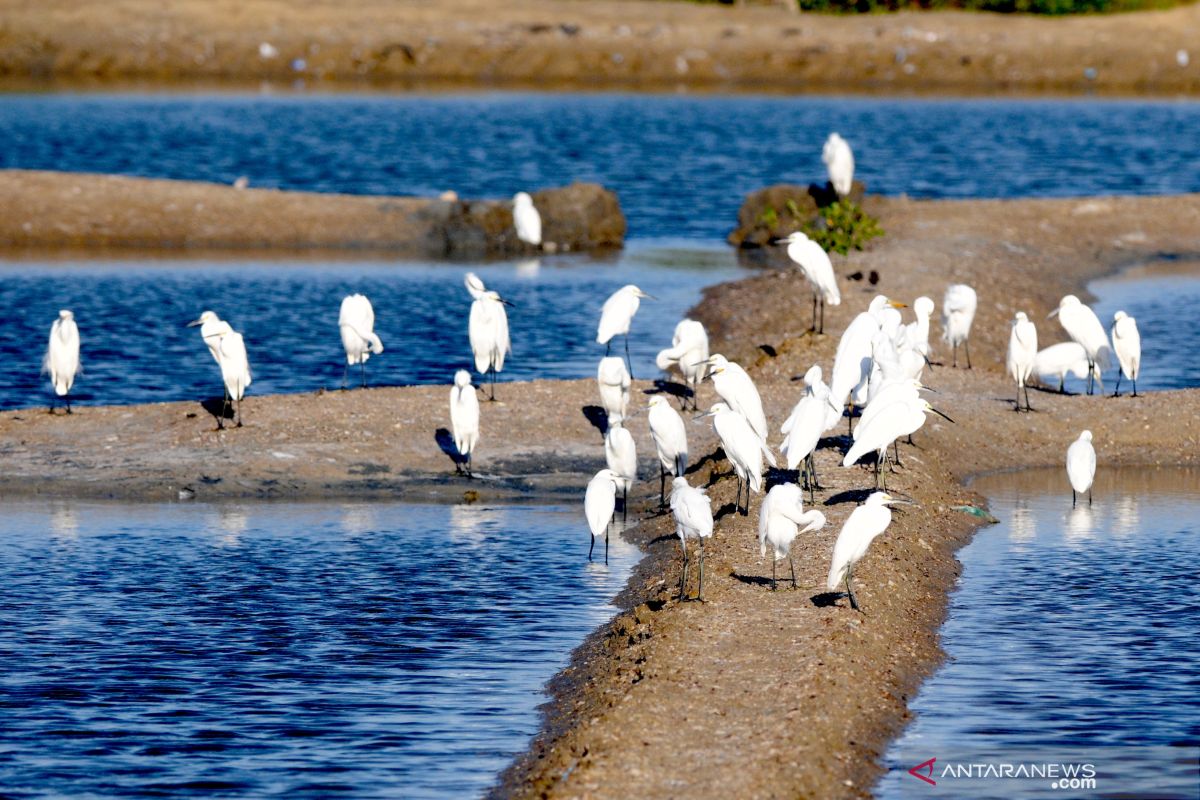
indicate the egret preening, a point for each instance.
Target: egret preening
{"x":614,"y":382}
{"x":356,"y":320}
{"x":743,"y":447}
{"x":488,"y":329}
{"x":599,"y":505}
{"x":915,"y":335}
{"x":62,"y":356}
{"x":839,"y":162}
{"x":779,"y":519}
{"x":958,"y":312}
{"x":737,"y":389}
{"x":898,"y":419}
{"x":527,"y":220}
{"x":693,"y":520}
{"x":1083,"y":326}
{"x":1081,"y":466}
{"x":1059,"y":360}
{"x":853,"y":361}
{"x":860,"y":529}
{"x":616,"y":316}
{"x":1127,"y":344}
{"x":670,"y":441}
{"x":818,"y":270}
{"x":802,"y":430}
{"x":229,"y":350}
{"x":621,"y":454}
{"x":1022,"y":353}
{"x":464,"y":417}
{"x":688,"y":352}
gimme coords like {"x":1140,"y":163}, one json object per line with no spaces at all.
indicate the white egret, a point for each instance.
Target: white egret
{"x":693,"y":520}
{"x":802,"y":430}
{"x":735,"y":386}
{"x":614,"y":382}
{"x":1127,"y":344}
{"x":1060,"y":360}
{"x":743,"y":447}
{"x":688,"y":352}
{"x":839,"y":162}
{"x":852,"y":363}
{"x":616,"y":316}
{"x":356,"y":321}
{"x":621,"y":454}
{"x":915,"y":335}
{"x":860,"y":529}
{"x":901,"y":418}
{"x":488,"y":329}
{"x":670,"y":441}
{"x":464,"y":417}
{"x":1083,"y":326}
{"x":527,"y":220}
{"x":958,"y":312}
{"x":779,"y":519}
{"x":1081,"y":466}
{"x":599,"y":505}
{"x":1022,"y":353}
{"x":228,"y":348}
{"x":62,"y":356}
{"x":818,"y":270}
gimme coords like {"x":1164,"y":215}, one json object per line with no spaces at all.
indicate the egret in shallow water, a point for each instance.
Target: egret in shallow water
{"x":527,"y":220}
{"x":743,"y":447}
{"x":228,"y":348}
{"x":464,"y":418}
{"x":1060,"y":360}
{"x":688,"y":352}
{"x":62,"y":356}
{"x":616,"y":317}
{"x":780,"y":518}
{"x":614,"y":383}
{"x":693,"y":520}
{"x":1022,"y":353}
{"x":818,"y":270}
{"x":621,"y":454}
{"x":488,"y":329}
{"x":1081,"y":466}
{"x":958,"y":312}
{"x":839,"y":162}
{"x":670,"y":441}
{"x":599,"y":505}
{"x":356,"y":321}
{"x":860,"y":529}
{"x":736,"y":388}
{"x":1127,"y":344}
{"x":1083,"y":326}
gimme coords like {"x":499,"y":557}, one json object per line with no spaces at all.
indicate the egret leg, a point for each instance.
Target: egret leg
{"x":67,"y":400}
{"x":363,"y":372}
{"x":1062,"y":383}
{"x":1027,"y":406}
{"x":896,"y":448}
{"x":850,"y":592}
{"x":822,"y":328}
{"x":591,"y":547}
{"x":493,"y":395}
{"x":346,"y":376}
{"x":239,"y":412}
{"x":814,"y":322}
{"x":1018,"y":408}
{"x":700,"y":591}
{"x":793,"y":565}
{"x":1135,"y":394}
{"x":470,"y":467}
{"x":683,"y":572}
{"x":1117,"y":391}
{"x":606,"y":546}
{"x":662,"y":486}
{"x":850,"y":419}
{"x":1072,"y":498}
{"x":773,"y":562}
{"x":967,"y":347}
{"x":628,"y":363}
{"x":624,"y":505}
{"x":1089,"y":497}
{"x":607,"y":348}
{"x":956,"y":356}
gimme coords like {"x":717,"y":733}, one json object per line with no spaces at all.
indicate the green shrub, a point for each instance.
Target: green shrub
{"x":843,"y":226}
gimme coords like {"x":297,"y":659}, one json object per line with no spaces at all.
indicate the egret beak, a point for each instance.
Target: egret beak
{"x":897,"y":304}
{"x":508,"y":303}
{"x":1052,"y":314}
{"x":647,"y":296}
{"x":940,"y":414}
{"x":194,"y":323}
{"x":702,"y":416}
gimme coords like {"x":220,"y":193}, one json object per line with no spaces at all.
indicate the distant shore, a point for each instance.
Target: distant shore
{"x":549,"y":44}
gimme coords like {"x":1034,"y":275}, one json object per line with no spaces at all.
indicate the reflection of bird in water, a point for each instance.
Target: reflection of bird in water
{"x":64,"y":521}
{"x":1023,"y":524}
{"x":1126,"y":515}
{"x":1081,"y":524}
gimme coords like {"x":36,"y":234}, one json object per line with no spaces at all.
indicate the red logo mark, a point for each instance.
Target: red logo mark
{"x":928,"y":776}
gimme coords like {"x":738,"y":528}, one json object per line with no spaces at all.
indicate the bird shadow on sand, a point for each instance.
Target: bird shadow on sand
{"x":219,"y":408}
{"x":839,"y":443}
{"x":676,"y":390}
{"x":725,"y":510}
{"x":445,"y":440}
{"x":849,"y":496}
{"x":827,"y":599}
{"x":598,"y":418}
{"x":666,"y":537}
{"x":755,"y":580}
{"x":777,"y":475}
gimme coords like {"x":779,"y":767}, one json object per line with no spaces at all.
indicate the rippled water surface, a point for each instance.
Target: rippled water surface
{"x":680,"y":164}
{"x":136,"y":348}
{"x":1071,"y":639}
{"x":299,"y":650}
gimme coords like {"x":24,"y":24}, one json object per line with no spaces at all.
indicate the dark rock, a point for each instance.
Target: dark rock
{"x":781,"y":209}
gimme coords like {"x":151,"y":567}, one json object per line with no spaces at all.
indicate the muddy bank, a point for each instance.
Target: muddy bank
{"x":53,"y":210}
{"x":606,"y":43}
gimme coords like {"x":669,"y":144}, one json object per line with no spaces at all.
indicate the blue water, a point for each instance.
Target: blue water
{"x":1071,"y":639}
{"x":680,"y":165}
{"x":380,"y":650}
{"x":135,"y":347}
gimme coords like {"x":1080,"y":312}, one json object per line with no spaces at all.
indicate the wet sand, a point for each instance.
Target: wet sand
{"x":545,"y":44}
{"x":753,"y":693}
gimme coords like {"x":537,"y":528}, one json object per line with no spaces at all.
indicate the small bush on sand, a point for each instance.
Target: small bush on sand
{"x":843,"y":226}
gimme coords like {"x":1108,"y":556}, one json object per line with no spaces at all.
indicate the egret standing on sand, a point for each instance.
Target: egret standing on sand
{"x":779,"y":519}
{"x":802,"y":430}
{"x":1022,"y":353}
{"x":902,"y":418}
{"x":737,"y":389}
{"x":527,"y":220}
{"x":616,"y":317}
{"x":915,"y":335}
{"x":488,"y":329}
{"x":356,"y":320}
{"x":818,"y":269}
{"x":1060,"y":360}
{"x":599,"y":505}
{"x":670,"y":441}
{"x":958,"y":312}
{"x":839,"y":162}
{"x":464,"y":417}
{"x":1127,"y":344}
{"x":1083,"y":326}
{"x":228,"y":348}
{"x":1081,"y":466}
{"x":743,"y":447}
{"x":62,"y":356}
{"x":860,"y":529}
{"x":621,"y":454}
{"x":614,"y":382}
{"x":688,"y":352}
{"x":693,"y":520}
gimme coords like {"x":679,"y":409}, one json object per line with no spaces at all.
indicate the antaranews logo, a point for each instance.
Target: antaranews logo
{"x":1062,"y":776}
{"x":924,"y":765}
